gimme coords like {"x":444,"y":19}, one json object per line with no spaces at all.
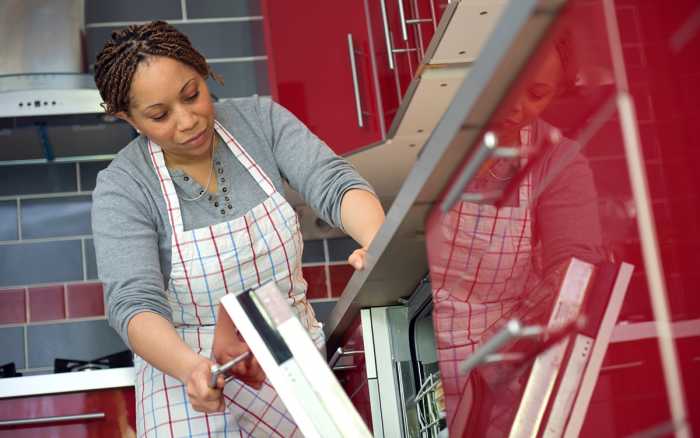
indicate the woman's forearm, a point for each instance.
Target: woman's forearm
{"x":362,"y":215}
{"x":154,"y":339}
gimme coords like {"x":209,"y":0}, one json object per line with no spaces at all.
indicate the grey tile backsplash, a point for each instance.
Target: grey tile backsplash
{"x":37,"y":178}
{"x":40,"y":262}
{"x":85,"y":340}
{"x":88,"y":173}
{"x":90,"y":261}
{"x":313,"y":252}
{"x":240,"y":79}
{"x":223,"y":8}
{"x":8,"y":220}
{"x":226,"y":40}
{"x":94,"y":139}
{"x":340,"y":249}
{"x":12,"y":346}
{"x":20,"y":144}
{"x":56,"y":217}
{"x":100,"y":11}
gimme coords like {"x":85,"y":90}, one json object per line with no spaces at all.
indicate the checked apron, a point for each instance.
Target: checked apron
{"x":481,"y":269}
{"x":207,"y":263}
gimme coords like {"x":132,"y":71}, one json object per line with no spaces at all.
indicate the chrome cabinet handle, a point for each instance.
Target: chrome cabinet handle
{"x":344,"y":367}
{"x":402,"y":17}
{"x":404,"y":21}
{"x":418,"y":20}
{"x":387,"y":36}
{"x":340,"y":353}
{"x":355,"y":82}
{"x":57,"y":419}
{"x":484,"y":151}
{"x":512,"y":330}
{"x":515,"y":330}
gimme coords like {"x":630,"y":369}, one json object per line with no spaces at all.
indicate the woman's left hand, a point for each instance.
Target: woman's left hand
{"x":358,"y":259}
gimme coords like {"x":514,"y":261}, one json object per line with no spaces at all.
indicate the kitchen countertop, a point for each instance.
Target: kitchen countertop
{"x":66,"y":382}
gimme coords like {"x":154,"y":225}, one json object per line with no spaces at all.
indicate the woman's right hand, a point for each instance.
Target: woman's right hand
{"x":201,"y":396}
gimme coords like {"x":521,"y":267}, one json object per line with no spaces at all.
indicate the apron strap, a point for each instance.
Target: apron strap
{"x":172,"y":202}
{"x":246,"y":160}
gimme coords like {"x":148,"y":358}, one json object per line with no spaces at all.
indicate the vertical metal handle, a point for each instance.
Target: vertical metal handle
{"x":486,"y":148}
{"x":355,"y":82}
{"x":387,"y":36}
{"x":402,"y":17}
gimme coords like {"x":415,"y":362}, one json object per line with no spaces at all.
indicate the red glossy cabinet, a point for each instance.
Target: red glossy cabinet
{"x":594,"y":195}
{"x":395,"y":50}
{"x":343,"y":67}
{"x":351,"y":371}
{"x":103,"y":413}
{"x":320,"y":68}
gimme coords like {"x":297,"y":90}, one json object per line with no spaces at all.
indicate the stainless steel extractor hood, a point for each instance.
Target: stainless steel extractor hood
{"x":42,"y":59}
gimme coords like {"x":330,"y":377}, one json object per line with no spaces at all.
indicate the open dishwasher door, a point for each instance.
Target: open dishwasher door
{"x":294,"y":365}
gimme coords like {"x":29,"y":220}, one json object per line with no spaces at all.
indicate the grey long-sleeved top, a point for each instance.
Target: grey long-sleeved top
{"x":132,"y":234}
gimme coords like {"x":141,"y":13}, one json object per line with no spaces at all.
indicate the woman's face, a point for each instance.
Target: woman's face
{"x":170,"y":104}
{"x":531,"y":97}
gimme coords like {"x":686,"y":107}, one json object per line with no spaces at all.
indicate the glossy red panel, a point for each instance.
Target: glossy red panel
{"x":117,"y":405}
{"x":351,"y":372}
{"x":315,"y":276}
{"x":427,"y":12}
{"x":85,"y":299}
{"x":12,"y":306}
{"x":555,"y":233}
{"x":47,"y":303}
{"x":397,"y":59}
{"x":340,"y":275}
{"x":311,"y":70}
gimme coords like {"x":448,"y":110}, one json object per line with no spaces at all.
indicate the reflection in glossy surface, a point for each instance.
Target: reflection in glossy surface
{"x":568,"y":196}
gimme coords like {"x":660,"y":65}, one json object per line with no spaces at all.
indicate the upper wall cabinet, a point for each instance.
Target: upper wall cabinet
{"x":321,"y":69}
{"x":344,"y":67}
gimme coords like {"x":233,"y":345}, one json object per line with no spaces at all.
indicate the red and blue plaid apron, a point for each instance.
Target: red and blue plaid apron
{"x":480,"y":267}
{"x":208,"y":263}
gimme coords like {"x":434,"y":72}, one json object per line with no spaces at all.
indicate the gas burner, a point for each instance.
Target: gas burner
{"x":9,"y":370}
{"x":117,"y":360}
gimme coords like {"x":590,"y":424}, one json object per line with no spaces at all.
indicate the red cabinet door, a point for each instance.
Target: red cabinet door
{"x":397,"y":59}
{"x":351,"y":371}
{"x":571,"y":193}
{"x":101,"y":413}
{"x":319,"y":60}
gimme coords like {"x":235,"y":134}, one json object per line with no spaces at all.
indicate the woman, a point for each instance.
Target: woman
{"x":192,"y":210}
{"x":490,"y":264}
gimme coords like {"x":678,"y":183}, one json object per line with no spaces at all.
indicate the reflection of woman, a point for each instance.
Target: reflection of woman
{"x":191,"y":210}
{"x":491,"y":264}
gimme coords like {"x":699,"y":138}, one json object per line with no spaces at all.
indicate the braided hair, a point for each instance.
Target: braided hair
{"x":121,"y":55}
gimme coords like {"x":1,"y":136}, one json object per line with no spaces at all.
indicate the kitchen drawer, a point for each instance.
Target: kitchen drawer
{"x":104,"y":413}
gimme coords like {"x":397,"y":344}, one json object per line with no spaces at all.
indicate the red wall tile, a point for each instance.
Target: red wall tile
{"x":316,"y":277}
{"x":12,"y":306}
{"x":340,"y":275}
{"x":85,"y":299}
{"x":46,"y":303}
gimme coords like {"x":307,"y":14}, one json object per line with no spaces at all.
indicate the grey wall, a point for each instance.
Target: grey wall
{"x":227,"y":32}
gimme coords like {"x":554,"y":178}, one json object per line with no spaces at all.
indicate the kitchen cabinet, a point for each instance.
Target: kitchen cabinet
{"x":321,"y":69}
{"x":349,"y":366}
{"x":568,"y":171}
{"x":343,"y":69}
{"x":103,"y":413}
{"x":559,"y":182}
